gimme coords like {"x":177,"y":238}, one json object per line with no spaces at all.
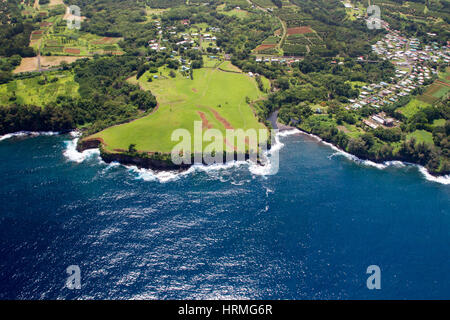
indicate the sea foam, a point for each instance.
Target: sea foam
{"x":28,"y":134}
{"x":398,"y":164}
{"x":255,"y":169}
{"x":72,"y":154}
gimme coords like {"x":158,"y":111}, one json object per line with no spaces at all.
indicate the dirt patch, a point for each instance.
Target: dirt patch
{"x":222,"y":120}
{"x":195,"y":90}
{"x":442,"y":83}
{"x":37,"y":32}
{"x":263,"y":47}
{"x":343,"y":129}
{"x":53,"y":61}
{"x":72,"y":50}
{"x":299,"y":30}
{"x":31,"y":64}
{"x":27,"y":65}
{"x":205,"y":122}
{"x":107,"y":40}
{"x":45,"y":24}
{"x":56,"y":2}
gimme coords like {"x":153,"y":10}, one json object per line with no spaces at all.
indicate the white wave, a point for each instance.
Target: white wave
{"x":75,"y":133}
{"x":72,"y":154}
{"x":211,"y":170}
{"x":441,"y":179}
{"x":28,"y":134}
{"x":166,"y":176}
{"x":289,"y":132}
{"x":398,"y":164}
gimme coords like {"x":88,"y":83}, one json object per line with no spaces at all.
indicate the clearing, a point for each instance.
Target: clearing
{"x":214,"y":97}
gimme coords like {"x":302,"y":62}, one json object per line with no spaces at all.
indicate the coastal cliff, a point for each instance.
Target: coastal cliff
{"x":154,"y":161}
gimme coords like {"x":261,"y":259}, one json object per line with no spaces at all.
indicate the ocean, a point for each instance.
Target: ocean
{"x":224,"y":232}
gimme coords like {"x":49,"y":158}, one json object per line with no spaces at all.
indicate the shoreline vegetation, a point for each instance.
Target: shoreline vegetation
{"x":311,"y":63}
{"x":96,"y":145}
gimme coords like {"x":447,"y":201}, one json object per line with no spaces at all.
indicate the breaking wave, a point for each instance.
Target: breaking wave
{"x":269,"y":168}
{"x":398,"y":164}
{"x":72,"y":154}
{"x":27,"y":134}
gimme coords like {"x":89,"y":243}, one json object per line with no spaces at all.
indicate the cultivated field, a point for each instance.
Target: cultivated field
{"x":38,"y":90}
{"x":299,"y":30}
{"x":215,"y":97}
{"x":31,"y":64}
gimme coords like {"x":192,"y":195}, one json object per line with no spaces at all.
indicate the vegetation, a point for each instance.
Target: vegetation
{"x":182,"y":101}
{"x":224,"y":66}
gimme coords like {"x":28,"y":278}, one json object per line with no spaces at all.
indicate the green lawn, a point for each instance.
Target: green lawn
{"x":180,"y":101}
{"x":29,"y":91}
{"x":421,"y":136}
{"x":228,"y":66}
{"x":412,"y":107}
{"x":241,"y":14}
{"x":439,"y":123}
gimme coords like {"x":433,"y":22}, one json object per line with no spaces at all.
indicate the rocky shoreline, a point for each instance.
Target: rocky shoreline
{"x":141,"y":161}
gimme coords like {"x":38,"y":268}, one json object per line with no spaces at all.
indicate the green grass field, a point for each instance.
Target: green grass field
{"x":421,"y":136}
{"x":412,"y":107}
{"x":29,"y":91}
{"x":439,"y":123}
{"x":181,"y":102}
{"x":227,"y":66}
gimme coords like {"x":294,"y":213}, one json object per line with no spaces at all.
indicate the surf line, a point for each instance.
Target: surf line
{"x":396,"y":163}
{"x":72,"y":154}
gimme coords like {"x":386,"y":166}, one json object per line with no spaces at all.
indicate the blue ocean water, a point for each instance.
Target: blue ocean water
{"x":308,"y":232}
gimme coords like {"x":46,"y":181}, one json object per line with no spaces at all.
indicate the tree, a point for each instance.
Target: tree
{"x":132,"y":148}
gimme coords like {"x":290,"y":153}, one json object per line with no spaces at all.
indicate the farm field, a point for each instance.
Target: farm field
{"x":300,"y":40}
{"x":264,"y":3}
{"x":62,"y":41}
{"x":31,"y":64}
{"x":36,"y":92}
{"x":438,"y":89}
{"x":215,"y":97}
{"x":412,"y":107}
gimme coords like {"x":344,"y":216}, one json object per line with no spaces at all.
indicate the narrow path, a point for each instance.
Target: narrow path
{"x":283,"y":36}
